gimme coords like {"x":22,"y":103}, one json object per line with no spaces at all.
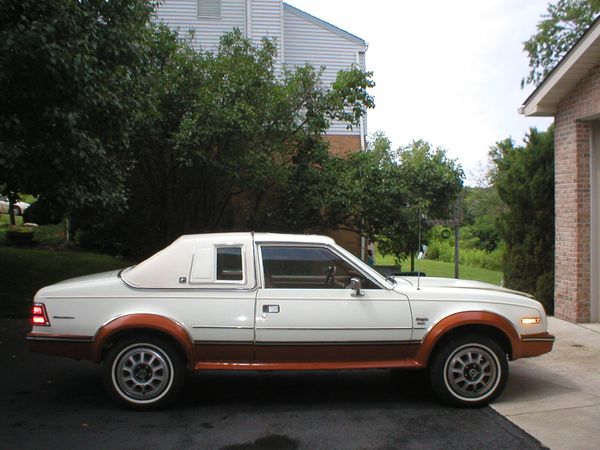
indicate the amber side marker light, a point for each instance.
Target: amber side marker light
{"x":39,"y":316}
{"x":531,"y":320}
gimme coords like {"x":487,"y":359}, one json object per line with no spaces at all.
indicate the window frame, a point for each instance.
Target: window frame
{"x":242,"y":256}
{"x":261,"y":269}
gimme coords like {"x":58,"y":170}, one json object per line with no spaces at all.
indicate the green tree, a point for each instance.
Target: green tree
{"x":524,"y":178}
{"x":563,"y":24}
{"x":67,"y":71}
{"x":481,"y":208}
{"x":220,"y":136}
{"x":378,"y":193}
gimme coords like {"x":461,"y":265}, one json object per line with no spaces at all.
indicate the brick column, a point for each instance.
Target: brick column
{"x":572,"y":172}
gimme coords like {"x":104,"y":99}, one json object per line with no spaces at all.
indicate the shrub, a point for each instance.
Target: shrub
{"x":42,"y":212}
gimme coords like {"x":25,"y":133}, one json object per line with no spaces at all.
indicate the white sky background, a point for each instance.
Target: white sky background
{"x":448,"y":72}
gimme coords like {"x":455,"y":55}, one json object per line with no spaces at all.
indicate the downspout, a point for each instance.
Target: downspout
{"x":361,"y":124}
{"x":363,"y":147}
{"x":281,"y":54}
{"x":249,"y":19}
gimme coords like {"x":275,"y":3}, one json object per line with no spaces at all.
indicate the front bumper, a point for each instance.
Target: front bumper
{"x":533,"y":345}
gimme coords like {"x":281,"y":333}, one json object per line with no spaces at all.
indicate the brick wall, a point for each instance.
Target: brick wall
{"x":343,"y":144}
{"x":573,"y":187}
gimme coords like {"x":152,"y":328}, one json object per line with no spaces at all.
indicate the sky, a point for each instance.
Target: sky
{"x":448,"y":72}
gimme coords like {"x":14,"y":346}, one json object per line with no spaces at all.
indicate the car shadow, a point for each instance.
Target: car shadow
{"x":361,"y":388}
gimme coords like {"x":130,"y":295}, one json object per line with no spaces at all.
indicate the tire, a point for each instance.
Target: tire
{"x":469,"y":370}
{"x":16,"y":211}
{"x":144,"y":372}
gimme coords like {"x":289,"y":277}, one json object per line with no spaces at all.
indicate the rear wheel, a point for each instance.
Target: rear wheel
{"x":144,"y":372}
{"x":469,"y":370}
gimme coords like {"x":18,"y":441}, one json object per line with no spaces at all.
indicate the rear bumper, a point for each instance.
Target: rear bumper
{"x":533,"y":345}
{"x":78,"y":347}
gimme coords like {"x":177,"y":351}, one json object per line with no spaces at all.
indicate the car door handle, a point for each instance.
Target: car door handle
{"x":270,"y":308}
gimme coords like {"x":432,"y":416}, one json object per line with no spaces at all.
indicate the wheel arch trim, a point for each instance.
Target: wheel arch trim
{"x":465,"y":318}
{"x":144,"y":321}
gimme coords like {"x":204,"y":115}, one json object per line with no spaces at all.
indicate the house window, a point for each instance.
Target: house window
{"x":209,"y":8}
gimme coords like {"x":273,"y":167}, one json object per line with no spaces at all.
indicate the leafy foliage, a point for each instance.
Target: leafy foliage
{"x":481,"y":209}
{"x":378,"y":193}
{"x":66,"y":75}
{"x":524,"y":178}
{"x":218,"y":136}
{"x":562,"y":25}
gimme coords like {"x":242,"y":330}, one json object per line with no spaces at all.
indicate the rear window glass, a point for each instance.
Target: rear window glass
{"x":229,"y":264}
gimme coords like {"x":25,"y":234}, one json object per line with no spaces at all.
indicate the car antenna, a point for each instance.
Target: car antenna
{"x":419,"y":252}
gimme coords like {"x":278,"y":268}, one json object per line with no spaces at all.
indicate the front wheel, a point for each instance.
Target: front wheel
{"x":469,"y":370}
{"x":144,"y":372}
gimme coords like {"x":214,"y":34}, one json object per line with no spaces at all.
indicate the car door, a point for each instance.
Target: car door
{"x":306,"y":311}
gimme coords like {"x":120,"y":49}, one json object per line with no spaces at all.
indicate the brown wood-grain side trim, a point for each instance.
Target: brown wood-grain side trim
{"x":153,"y":322}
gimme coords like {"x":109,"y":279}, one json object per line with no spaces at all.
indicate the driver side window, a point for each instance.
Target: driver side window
{"x":289,"y":267}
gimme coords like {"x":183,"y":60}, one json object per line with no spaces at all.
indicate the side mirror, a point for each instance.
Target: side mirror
{"x":355,"y":285}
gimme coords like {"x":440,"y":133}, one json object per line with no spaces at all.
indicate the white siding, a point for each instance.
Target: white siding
{"x":266,"y":21}
{"x":300,"y":38}
{"x":182,"y":16}
{"x":308,"y":42}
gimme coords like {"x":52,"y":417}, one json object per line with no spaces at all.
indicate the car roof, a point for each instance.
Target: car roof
{"x":262,"y":237}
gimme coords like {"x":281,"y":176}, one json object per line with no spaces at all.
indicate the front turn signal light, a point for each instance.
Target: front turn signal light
{"x":531,"y":320}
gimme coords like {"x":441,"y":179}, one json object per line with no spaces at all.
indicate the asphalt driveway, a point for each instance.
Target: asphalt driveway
{"x":54,"y":402}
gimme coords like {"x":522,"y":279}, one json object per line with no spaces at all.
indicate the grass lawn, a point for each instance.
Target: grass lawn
{"x":52,"y":235}
{"x":25,"y":270}
{"x":445,"y":269}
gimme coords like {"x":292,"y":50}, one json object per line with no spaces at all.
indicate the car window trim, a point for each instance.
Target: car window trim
{"x":261,"y":269}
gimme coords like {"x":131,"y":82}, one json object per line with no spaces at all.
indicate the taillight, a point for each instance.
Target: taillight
{"x":39,"y":315}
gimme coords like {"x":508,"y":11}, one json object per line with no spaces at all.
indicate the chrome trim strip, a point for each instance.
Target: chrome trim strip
{"x":58,"y":339}
{"x":63,"y":317}
{"x":224,"y":327}
{"x":333,"y":328}
{"x":539,"y":339}
{"x":336,"y":343}
{"x":310,"y":343}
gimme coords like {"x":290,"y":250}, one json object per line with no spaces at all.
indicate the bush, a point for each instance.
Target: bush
{"x":443,"y":250}
{"x":43,"y":213}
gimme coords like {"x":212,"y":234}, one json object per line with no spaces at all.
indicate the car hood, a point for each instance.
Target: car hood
{"x":435,"y":282}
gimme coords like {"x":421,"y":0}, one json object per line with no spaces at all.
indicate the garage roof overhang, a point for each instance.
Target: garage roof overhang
{"x":574,"y":66}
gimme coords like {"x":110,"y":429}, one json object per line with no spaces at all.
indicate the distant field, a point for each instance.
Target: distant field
{"x":445,"y":269}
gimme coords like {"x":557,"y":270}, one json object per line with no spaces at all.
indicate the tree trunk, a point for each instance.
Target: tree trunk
{"x":412,"y":261}
{"x":11,"y":207}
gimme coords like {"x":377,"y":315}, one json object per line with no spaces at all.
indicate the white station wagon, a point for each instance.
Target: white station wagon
{"x":260,"y":301}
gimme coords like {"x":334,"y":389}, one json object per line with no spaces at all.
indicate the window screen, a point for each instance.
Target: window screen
{"x":229,"y":264}
{"x":209,"y":8}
